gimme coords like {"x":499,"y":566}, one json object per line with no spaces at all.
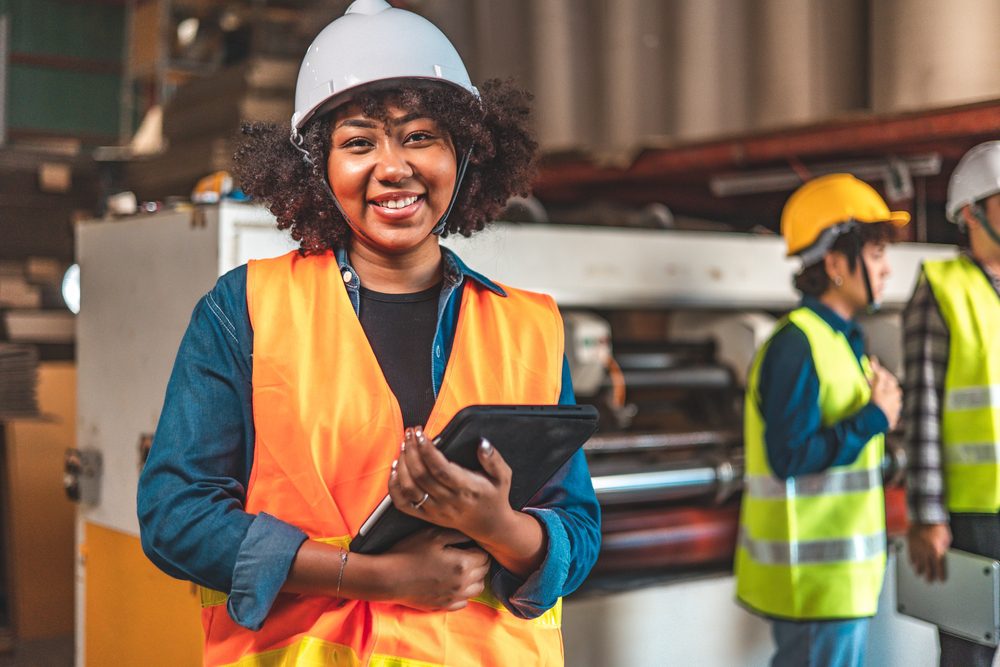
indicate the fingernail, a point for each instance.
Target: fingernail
{"x":402,"y":446}
{"x":487,"y":448}
{"x":419,"y":432}
{"x":392,"y":475}
{"x":394,"y":465}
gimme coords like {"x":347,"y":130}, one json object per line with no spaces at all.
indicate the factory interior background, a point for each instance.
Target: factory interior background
{"x":671,"y":133}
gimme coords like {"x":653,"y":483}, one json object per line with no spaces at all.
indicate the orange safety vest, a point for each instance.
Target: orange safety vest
{"x":327,"y":430}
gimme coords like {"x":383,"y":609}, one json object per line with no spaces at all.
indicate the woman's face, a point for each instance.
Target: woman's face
{"x":393,"y":181}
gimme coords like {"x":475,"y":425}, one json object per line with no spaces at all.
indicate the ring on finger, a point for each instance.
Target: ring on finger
{"x":423,"y":500}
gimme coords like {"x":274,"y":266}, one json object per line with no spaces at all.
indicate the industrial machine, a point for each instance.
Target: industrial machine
{"x":683,"y":313}
{"x":660,"y":327}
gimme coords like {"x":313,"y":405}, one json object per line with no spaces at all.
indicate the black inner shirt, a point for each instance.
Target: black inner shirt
{"x":400,"y":329}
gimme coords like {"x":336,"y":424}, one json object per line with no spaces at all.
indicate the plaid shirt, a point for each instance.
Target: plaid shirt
{"x":926,"y":363}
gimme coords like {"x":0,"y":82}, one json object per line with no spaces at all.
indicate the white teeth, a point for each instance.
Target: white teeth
{"x":398,"y":203}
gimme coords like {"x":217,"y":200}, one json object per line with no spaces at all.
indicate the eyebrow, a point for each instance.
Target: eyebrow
{"x":371,"y":124}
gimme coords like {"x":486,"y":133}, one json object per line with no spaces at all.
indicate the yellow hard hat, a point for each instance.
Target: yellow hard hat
{"x":836,"y":202}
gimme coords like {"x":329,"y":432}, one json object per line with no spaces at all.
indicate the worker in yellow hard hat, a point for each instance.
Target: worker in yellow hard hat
{"x":811,"y":551}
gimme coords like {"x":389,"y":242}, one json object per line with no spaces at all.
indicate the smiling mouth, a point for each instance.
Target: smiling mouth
{"x":395,"y":204}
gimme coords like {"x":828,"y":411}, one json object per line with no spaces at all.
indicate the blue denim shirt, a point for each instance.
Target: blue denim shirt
{"x":193,"y":487}
{"x":797,"y":442}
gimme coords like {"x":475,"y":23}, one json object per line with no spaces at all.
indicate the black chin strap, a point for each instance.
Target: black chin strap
{"x":980,"y":213}
{"x":873,"y":306}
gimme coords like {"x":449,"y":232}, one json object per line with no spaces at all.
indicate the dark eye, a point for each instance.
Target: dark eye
{"x":356,"y":142}
{"x":419,"y":136}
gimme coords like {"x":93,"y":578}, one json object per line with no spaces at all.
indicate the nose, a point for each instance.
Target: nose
{"x":392,"y":165}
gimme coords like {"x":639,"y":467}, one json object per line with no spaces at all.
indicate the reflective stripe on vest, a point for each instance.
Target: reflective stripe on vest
{"x":849,"y":549}
{"x":831,"y":482}
{"x":322,"y":460}
{"x":973,"y":452}
{"x":970,"y":419}
{"x":812,"y":547}
{"x":972,"y":398}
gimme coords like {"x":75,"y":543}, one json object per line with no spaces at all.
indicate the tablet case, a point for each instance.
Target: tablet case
{"x":966,"y":604}
{"x":534,"y":440}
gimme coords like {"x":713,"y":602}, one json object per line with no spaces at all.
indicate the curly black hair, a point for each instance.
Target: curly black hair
{"x":814,"y":281}
{"x":495,"y":127}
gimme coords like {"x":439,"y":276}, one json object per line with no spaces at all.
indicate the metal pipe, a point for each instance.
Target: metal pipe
{"x":691,"y":377}
{"x":671,"y":482}
{"x":654,"y":486}
{"x":786,"y":179}
{"x":643,"y":442}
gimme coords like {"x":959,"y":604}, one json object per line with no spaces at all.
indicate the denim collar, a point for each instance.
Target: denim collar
{"x":847,"y":327}
{"x":455,"y":272}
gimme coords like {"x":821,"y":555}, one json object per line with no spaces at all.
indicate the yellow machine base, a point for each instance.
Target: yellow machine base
{"x":135,"y":614}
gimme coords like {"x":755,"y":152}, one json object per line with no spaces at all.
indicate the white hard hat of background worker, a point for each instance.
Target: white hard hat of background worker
{"x":976,"y":178}
{"x":827,"y":208}
{"x":374,"y":45}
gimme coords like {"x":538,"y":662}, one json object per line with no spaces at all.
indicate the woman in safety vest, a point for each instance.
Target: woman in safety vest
{"x":305,"y":384}
{"x":811,"y":551}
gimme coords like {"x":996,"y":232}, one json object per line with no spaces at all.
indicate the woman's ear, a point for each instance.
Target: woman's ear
{"x":835,"y":265}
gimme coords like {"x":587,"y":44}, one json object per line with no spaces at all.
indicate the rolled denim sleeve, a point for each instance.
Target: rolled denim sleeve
{"x":568,"y":510}
{"x":192,"y":490}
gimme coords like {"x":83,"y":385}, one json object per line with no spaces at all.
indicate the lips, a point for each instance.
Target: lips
{"x":396,"y":204}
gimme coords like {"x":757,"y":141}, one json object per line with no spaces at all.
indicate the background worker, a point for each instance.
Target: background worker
{"x":811,"y":553}
{"x":952,"y":360}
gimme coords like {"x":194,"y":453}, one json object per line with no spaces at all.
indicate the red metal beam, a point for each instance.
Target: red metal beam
{"x":864,"y":134}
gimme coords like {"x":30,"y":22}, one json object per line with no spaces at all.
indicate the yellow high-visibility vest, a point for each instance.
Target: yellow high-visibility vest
{"x":812,"y":547}
{"x":970,"y":416}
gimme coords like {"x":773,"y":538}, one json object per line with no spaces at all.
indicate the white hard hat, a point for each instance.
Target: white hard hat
{"x":976,"y":177}
{"x":373,"y":42}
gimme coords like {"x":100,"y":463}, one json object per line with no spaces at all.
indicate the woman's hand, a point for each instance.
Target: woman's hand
{"x":433,"y":574}
{"x":423,"y":571}
{"x":425,"y":484}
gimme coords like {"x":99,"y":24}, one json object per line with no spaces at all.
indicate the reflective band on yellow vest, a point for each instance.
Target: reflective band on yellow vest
{"x":970,"y":419}
{"x":830,"y":482}
{"x":327,"y":429}
{"x":813,"y":547}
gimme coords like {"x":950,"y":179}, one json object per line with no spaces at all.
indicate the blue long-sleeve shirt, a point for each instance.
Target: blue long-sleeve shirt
{"x":797,"y":441}
{"x":193,"y":487}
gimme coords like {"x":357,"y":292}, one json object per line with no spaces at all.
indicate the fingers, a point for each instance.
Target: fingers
{"x":402,"y":488}
{"x":475,"y":588}
{"x":417,"y":452}
{"x":493,"y":464}
{"x":441,"y":472}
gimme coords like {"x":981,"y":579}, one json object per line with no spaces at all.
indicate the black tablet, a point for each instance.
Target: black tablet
{"x":534,"y":440}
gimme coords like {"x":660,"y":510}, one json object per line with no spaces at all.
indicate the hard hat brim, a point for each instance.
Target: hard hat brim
{"x":822,"y":243}
{"x":898,"y":218}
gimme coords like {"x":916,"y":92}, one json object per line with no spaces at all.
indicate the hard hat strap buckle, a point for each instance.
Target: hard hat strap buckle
{"x":297,"y":141}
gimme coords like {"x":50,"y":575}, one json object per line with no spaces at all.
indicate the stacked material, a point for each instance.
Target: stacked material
{"x":18,"y":381}
{"x":201,"y":123}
